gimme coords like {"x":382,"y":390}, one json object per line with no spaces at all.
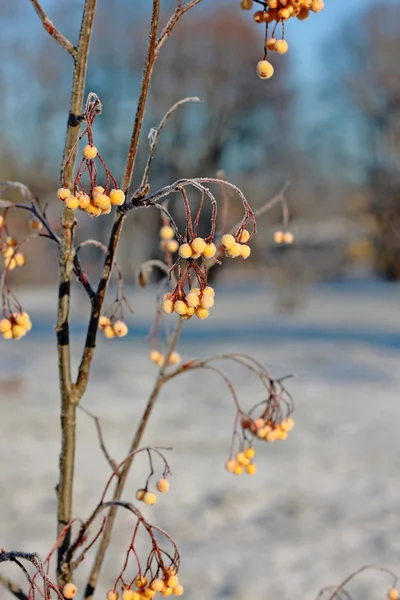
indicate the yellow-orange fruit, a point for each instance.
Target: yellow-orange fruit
{"x":11,"y":241}
{"x":34,"y":224}
{"x":209,"y":290}
{"x":393,"y":594}
{"x":117,"y":197}
{"x":103,"y":322}
{"x":198,"y":245}
{"x":8,"y":252}
{"x":272,"y":3}
{"x":155,"y":356}
{"x":128,"y":594}
{"x":10,"y":263}
{"x":234,"y":251}
{"x":172,"y":245}
{"x":174,"y":358}
{"x":1,"y":220}
{"x":238,"y":470}
{"x":112,"y":595}
{"x":246,"y":251}
{"x":172,"y":581}
{"x":149,"y":498}
{"x":258,"y":16}
{"x":157,"y":585}
{"x":206,"y":301}
{"x":89,"y":152}
{"x":167,"y":232}
{"x":18,"y":331}
{"x":303,"y":14}
{"x":279,"y":237}
{"x":102,"y":201}
{"x":251,"y":469}
{"x":162,"y":486}
{"x":120,"y":329}
{"x":20,"y":259}
{"x":202,"y":313}
{"x":281,"y":46}
{"x":246,"y":4}
{"x":271,"y":436}
{"x":167,"y":306}
{"x":250,"y":453}
{"x":84,"y":201}
{"x":284,"y":13}
{"x":141,"y":582}
{"x":185,"y":251}
{"x":192,"y":299}
{"x":178,"y":590}
{"x":23,"y":319}
{"x":72,"y":202}
{"x":230,"y":465}
{"x":93,"y":211}
{"x":109,"y":332}
{"x":241,"y":458}
{"x":140,"y":494}
{"x":288,"y":237}
{"x":317,"y":5}
{"x":264,"y":69}
{"x":106,"y":211}
{"x":167,"y":591}
{"x":210,"y":250}
{"x":98,"y":189}
{"x":7,"y":335}
{"x":244,"y":236}
{"x":228,"y":241}
{"x":63,"y":193}
{"x":5,"y":325}
{"x":149,"y":593}
{"x":287,"y":424}
{"x":69,"y":591}
{"x":180,"y":307}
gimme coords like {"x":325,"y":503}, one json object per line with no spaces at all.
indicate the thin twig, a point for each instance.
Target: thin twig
{"x":51,"y":29}
{"x":13,"y":588}
{"x":103,"y":447}
{"x":179,"y":12}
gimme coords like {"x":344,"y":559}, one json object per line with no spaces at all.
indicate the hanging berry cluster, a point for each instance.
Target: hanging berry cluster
{"x":113,"y":328}
{"x":195,"y":252}
{"x":275,"y":13}
{"x":167,"y":241}
{"x":96,"y":200}
{"x":157,"y":358}
{"x":15,"y":326}
{"x":12,"y":256}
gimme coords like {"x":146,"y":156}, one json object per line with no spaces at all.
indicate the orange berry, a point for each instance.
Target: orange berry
{"x":8,"y":335}
{"x":264,"y":69}
{"x":249,"y":453}
{"x":98,"y":189}
{"x":262,"y":432}
{"x":128,"y":594}
{"x":272,"y":3}
{"x":202,"y":313}
{"x":34,"y":224}
{"x":393,"y":594}
{"x":140,"y":494}
{"x":234,"y":251}
{"x":18,"y":332}
{"x":178,"y":590}
{"x":244,"y":236}
{"x":228,"y":241}
{"x":117,"y":197}
{"x":238,"y":470}
{"x":167,"y":232}
{"x":192,"y":299}
{"x":317,"y":5}
{"x":287,"y":424}
{"x":149,"y":498}
{"x":11,"y":241}
{"x":271,"y":436}
{"x":69,"y":591}
{"x":279,"y":237}
{"x":120,"y":329}
{"x":241,"y":458}
{"x":149,"y":593}
{"x":167,"y":306}
{"x":109,"y":332}
{"x":174,"y":358}
{"x":101,"y":201}
{"x":89,"y":152}
{"x":93,"y":211}
{"x":172,"y":245}
{"x":198,"y":245}
{"x":10,"y":263}
{"x":72,"y":202}
{"x":190,"y":311}
{"x":251,"y":469}
{"x":103,"y":322}
{"x":303,"y":14}
{"x":246,"y":251}
{"x":246,"y":4}
{"x":172,"y":581}
{"x":63,"y":193}
{"x":8,"y":252}
{"x":141,"y":582}
{"x":284,"y":13}
{"x":180,"y":307}
{"x":167,"y":591}
{"x":155,"y":356}
{"x":20,"y":259}
{"x":281,"y":46}
{"x":288,"y":237}
{"x":5,"y":325}
{"x":23,"y":319}
{"x":208,"y":290}
{"x":84,"y":201}
{"x":112,"y":595}
{"x":230,"y":465}
{"x":1,"y":221}
{"x":185,"y":251}
{"x":157,"y":585}
{"x":210,"y":250}
{"x":162,"y":486}
{"x":206,"y":301}
{"x":258,"y":16}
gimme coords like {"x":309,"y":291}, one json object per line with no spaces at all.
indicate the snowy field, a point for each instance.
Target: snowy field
{"x":323,"y":503}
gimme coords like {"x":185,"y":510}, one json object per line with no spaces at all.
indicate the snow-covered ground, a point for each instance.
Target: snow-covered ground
{"x":322,"y":503}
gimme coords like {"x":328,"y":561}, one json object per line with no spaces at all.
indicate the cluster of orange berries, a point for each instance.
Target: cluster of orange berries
{"x":12,"y":259}
{"x":99,"y":203}
{"x":112,"y":329}
{"x":15,"y":326}
{"x":283,"y":237}
{"x":158,"y":358}
{"x":143,"y":495}
{"x":196,"y":302}
{"x":166,"y":586}
{"x":269,"y":431}
{"x":242,"y":463}
{"x":196,"y":248}
{"x":168,"y":243}
{"x":236,"y":246}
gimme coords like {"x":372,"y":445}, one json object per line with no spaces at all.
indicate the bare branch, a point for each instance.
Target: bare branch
{"x":51,"y":29}
{"x":13,"y":588}
{"x":179,"y":12}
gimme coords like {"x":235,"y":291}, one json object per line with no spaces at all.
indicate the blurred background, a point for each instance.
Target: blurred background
{"x":325,"y":308}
